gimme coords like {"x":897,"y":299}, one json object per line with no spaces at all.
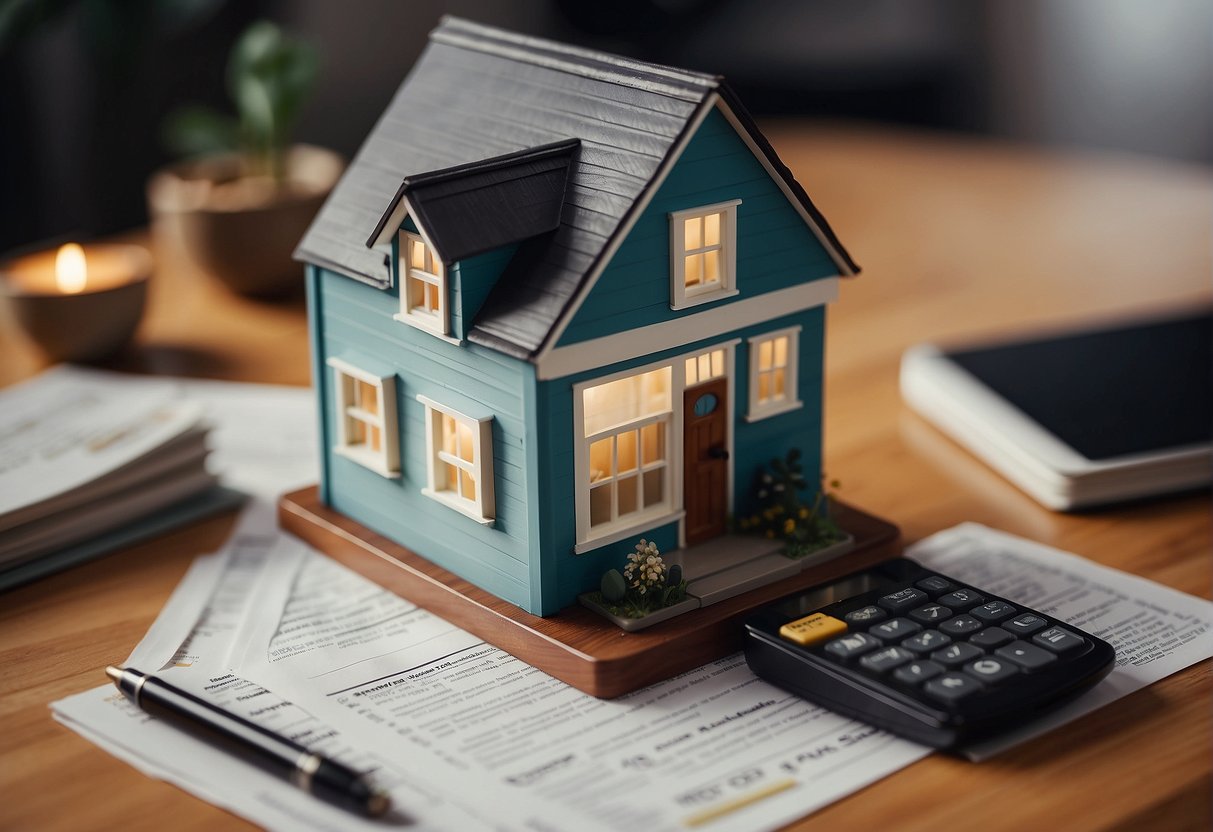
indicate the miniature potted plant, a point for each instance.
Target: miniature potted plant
{"x":245,"y":196}
{"x":804,"y":528}
{"x":647,"y":591}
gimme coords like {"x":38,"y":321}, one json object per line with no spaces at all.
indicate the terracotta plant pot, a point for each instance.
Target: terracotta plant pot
{"x":239,"y":228}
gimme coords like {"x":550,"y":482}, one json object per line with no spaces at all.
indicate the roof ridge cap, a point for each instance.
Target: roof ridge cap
{"x":660,"y":78}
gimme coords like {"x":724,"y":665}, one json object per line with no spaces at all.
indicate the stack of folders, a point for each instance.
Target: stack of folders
{"x":1079,"y":418}
{"x":86,"y":466}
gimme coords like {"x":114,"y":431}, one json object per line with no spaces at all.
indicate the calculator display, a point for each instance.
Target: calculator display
{"x":820,"y":596}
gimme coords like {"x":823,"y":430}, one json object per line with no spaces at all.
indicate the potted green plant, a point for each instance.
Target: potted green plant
{"x":239,"y":204}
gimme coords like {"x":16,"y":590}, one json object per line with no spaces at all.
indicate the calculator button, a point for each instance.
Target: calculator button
{"x":882,"y":661}
{"x":1058,"y":640}
{"x":957,"y":654}
{"x":992,"y":637}
{"x":919,"y":671}
{"x":903,"y":599}
{"x":951,"y":687}
{"x":1025,"y":624}
{"x":931,"y":613}
{"x":990,"y":669}
{"x":993,"y":611}
{"x":895,"y":628}
{"x":960,"y":625}
{"x":926,"y":641}
{"x":934,"y":585}
{"x":851,"y":645}
{"x":812,"y":629}
{"x":1027,"y":656}
{"x":961,"y":599}
{"x":866,"y":615}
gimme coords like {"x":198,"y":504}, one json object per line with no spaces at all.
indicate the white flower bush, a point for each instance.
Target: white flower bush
{"x":645,"y":571}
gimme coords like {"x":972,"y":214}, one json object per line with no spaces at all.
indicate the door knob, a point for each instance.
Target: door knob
{"x":718,"y":452}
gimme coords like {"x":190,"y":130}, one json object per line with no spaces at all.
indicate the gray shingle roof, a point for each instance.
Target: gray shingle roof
{"x":477,"y":93}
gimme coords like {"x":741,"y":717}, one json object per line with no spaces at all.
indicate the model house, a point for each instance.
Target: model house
{"x":560,"y":301}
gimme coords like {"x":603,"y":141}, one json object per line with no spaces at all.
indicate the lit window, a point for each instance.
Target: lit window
{"x":705,"y":367}
{"x":702,"y":254}
{"x":460,"y":460}
{"x":423,"y":285}
{"x":366,"y":424}
{"x":626,"y":436}
{"x":773,"y":373}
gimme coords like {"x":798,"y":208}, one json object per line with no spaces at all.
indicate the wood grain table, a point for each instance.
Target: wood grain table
{"x":958,"y":238}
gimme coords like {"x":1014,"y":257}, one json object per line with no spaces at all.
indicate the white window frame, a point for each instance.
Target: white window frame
{"x":682,"y":297}
{"x":385,"y":461}
{"x":791,"y":398}
{"x":438,"y":323}
{"x":591,"y":537}
{"x":481,"y":509}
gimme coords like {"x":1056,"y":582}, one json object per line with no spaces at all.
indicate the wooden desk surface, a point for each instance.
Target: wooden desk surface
{"x":957,"y":238}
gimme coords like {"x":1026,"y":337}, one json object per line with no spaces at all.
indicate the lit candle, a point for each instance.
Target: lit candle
{"x":79,"y":303}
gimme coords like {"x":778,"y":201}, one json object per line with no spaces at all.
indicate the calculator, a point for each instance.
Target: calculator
{"x":922,"y":655}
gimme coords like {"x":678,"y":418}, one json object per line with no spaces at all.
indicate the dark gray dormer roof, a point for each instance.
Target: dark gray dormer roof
{"x":479,"y":93}
{"x":477,"y":207}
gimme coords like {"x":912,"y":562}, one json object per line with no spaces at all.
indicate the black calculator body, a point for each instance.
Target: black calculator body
{"x":922,"y":655}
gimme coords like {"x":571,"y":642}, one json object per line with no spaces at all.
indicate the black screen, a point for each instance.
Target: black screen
{"x":1110,"y":392}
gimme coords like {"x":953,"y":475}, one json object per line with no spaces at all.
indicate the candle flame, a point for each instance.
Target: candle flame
{"x":71,"y":270}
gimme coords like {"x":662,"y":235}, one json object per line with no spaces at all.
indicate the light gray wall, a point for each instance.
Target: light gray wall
{"x":1133,"y":75}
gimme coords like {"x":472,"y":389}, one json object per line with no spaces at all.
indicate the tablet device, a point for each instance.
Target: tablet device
{"x":1079,"y":418}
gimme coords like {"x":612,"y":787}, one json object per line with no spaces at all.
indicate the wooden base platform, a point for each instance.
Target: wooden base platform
{"x":576,"y":646}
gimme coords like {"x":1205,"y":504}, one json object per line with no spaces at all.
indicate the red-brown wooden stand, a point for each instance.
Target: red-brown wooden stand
{"x":576,"y":646}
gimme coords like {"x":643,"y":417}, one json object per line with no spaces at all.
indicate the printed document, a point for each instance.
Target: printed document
{"x":715,"y":745}
{"x":189,"y":645}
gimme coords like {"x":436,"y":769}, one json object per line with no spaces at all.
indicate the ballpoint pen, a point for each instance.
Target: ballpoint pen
{"x":315,"y":774}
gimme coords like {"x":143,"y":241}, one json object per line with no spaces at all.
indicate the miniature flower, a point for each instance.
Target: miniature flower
{"x":803,"y":514}
{"x":789,"y":526}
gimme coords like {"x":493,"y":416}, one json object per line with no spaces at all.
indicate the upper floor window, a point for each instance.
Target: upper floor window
{"x":422,"y":285}
{"x":703,"y":256}
{"x":366,"y":423}
{"x":773,"y":373}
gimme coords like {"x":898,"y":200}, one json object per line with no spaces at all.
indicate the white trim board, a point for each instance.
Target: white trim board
{"x":642,"y":203}
{"x":654,"y":338}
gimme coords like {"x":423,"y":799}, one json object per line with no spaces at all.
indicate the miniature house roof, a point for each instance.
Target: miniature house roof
{"x":481,"y":101}
{"x":480,"y":206}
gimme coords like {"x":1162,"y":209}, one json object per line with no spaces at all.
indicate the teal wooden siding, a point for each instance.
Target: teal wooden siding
{"x":354,"y":322}
{"x":775,"y":249}
{"x":754,"y":444}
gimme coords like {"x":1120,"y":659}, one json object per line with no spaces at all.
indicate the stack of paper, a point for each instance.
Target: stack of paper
{"x":91,"y":461}
{"x":79,"y":458}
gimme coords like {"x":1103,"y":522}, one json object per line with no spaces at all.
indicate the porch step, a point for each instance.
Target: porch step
{"x":720,"y":554}
{"x":742,"y":577}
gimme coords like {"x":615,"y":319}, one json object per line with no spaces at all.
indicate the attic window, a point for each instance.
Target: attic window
{"x":703,"y":255}
{"x":366,"y":423}
{"x":422,"y":285}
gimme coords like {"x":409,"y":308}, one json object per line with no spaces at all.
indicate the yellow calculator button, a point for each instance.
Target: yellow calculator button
{"x":812,"y":629}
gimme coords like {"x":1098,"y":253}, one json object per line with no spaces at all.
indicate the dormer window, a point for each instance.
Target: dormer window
{"x":422,"y":285}
{"x":703,"y":254}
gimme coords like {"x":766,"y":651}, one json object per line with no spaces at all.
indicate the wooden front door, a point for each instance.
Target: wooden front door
{"x":705,"y":459}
